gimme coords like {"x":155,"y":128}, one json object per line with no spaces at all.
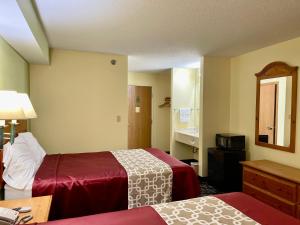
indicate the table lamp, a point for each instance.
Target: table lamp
{"x":14,"y":106}
{"x":28,"y":111}
{"x":10,"y":109}
{"x":27,"y":106}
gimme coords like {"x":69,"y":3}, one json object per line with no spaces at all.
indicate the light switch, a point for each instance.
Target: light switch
{"x":118,"y":119}
{"x":137,"y":109}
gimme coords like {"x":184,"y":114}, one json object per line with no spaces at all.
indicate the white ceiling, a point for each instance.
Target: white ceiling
{"x":159,"y":34}
{"x":15,"y":29}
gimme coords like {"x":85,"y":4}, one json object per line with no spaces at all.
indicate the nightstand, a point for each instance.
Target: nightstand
{"x":40,"y":207}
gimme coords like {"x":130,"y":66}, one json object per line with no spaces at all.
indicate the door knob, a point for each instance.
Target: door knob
{"x":270,"y":128}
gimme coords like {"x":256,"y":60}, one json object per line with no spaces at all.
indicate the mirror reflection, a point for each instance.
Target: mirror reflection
{"x":275,"y":110}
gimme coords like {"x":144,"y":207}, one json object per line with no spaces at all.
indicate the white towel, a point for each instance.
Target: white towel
{"x":184,"y":115}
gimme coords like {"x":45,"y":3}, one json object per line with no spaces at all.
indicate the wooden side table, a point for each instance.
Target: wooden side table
{"x":40,"y":207}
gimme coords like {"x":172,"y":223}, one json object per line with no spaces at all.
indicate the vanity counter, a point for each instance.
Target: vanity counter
{"x":188,"y":136}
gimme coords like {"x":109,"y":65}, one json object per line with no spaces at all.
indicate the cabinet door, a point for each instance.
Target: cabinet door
{"x":215,"y":166}
{"x":233,"y":169}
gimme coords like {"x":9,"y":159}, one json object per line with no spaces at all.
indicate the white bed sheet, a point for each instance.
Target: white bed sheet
{"x":12,"y":193}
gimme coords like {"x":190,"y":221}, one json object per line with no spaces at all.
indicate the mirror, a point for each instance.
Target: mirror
{"x":276,"y":99}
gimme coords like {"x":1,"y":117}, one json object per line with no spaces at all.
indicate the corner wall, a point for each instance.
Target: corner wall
{"x":215,"y":116}
{"x":78,"y":99}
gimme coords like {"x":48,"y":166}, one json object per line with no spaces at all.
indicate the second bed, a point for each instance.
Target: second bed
{"x":89,"y":183}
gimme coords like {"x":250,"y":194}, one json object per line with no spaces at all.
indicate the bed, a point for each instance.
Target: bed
{"x":98,"y":182}
{"x":230,"y":208}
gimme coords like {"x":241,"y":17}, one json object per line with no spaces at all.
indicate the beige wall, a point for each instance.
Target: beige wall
{"x":216,"y":104}
{"x":13,"y":69}
{"x":161,"y":85}
{"x":243,"y":93}
{"x":78,"y":98}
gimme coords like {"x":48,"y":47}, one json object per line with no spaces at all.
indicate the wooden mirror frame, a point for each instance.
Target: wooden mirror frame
{"x":274,"y":70}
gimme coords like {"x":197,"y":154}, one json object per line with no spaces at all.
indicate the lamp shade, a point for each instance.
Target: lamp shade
{"x":27,"y":106}
{"x":10,"y":107}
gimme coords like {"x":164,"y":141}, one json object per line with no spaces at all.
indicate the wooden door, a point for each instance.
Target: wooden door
{"x":268,"y":112}
{"x":139,"y":116}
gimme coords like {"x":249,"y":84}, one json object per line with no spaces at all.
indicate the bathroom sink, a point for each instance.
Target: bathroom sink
{"x":189,"y":136}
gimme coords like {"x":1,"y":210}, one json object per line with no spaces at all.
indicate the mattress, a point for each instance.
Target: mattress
{"x":12,"y":193}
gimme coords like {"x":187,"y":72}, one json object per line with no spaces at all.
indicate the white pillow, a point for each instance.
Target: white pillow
{"x":21,"y":169}
{"x":7,"y":154}
{"x":38,"y":153}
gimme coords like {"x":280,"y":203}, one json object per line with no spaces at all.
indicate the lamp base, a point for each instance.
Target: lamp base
{"x":12,"y":131}
{"x":1,"y":137}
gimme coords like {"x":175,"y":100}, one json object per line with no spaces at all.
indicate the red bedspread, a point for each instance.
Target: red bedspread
{"x":251,"y":207}
{"x":90,"y":183}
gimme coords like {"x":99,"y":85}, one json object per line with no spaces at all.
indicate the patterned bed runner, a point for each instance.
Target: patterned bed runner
{"x":205,"y":210}
{"x":149,"y":179}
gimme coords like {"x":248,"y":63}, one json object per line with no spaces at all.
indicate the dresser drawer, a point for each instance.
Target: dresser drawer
{"x":285,"y":206}
{"x":277,"y":186}
{"x":298,"y":211}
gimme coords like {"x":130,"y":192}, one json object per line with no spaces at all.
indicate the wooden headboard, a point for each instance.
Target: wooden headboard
{"x":21,"y":127}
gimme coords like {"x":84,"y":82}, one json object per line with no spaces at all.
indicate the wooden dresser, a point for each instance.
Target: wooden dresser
{"x":273,"y":183}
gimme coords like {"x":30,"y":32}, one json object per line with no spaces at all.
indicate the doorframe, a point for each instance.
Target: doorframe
{"x":276,"y":83}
